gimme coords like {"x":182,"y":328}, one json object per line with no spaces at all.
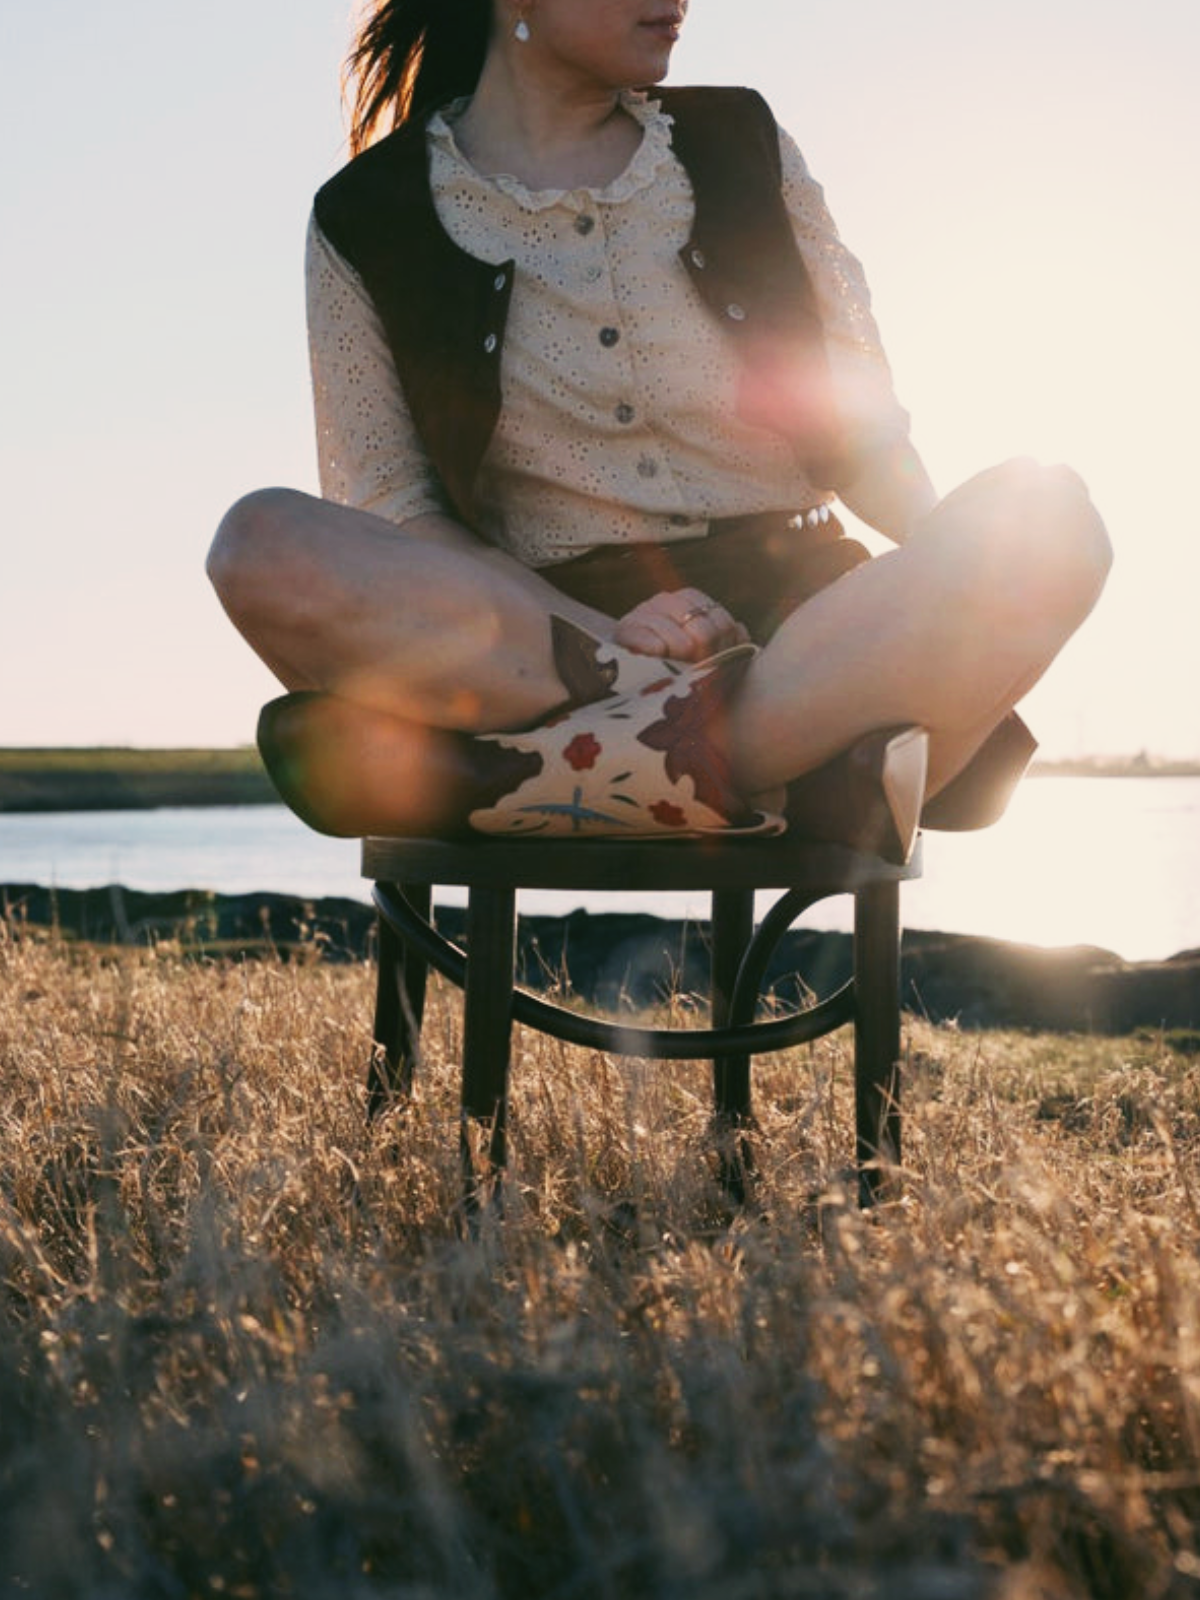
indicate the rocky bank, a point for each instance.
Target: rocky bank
{"x":626,"y":961}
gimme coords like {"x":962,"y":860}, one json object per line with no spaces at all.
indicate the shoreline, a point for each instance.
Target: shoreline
{"x":632,"y":961}
{"x":50,"y":780}
{"x":44,"y":781}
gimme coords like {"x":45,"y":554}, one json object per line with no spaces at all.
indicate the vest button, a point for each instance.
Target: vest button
{"x":609,"y":337}
{"x":490,"y":343}
{"x":735,"y":312}
{"x":499,"y":281}
{"x":584,"y":224}
{"x":624,"y":412}
{"x":699,"y":259}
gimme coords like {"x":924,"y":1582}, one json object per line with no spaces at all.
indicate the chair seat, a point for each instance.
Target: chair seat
{"x":713,"y":862}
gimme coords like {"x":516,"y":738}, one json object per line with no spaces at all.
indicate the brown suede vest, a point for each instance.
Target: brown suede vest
{"x":444,"y":311}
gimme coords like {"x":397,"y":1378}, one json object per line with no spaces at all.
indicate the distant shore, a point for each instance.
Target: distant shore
{"x":126,"y":779}
{"x":1139,"y":766}
{"x":113,"y":779}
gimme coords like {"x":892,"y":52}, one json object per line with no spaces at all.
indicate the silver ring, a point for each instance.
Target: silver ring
{"x":696,"y":611}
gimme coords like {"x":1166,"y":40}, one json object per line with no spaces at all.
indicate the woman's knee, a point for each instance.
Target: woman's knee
{"x":250,"y":542}
{"x":1033,"y":543}
{"x":1066,"y":553}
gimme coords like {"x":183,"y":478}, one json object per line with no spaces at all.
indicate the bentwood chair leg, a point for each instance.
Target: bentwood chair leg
{"x":876,"y":1034}
{"x":487,"y":1032}
{"x":732,"y":930}
{"x":399,"y":1008}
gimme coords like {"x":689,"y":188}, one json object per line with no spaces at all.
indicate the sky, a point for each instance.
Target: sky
{"x":1020,"y":181}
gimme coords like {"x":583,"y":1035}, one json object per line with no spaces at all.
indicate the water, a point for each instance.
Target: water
{"x":1113,"y":862}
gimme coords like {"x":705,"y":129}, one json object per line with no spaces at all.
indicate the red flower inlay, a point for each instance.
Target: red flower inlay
{"x":669,"y":815}
{"x":582,"y":751}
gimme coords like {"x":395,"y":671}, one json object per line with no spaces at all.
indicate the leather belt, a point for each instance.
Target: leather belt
{"x":770,"y":521}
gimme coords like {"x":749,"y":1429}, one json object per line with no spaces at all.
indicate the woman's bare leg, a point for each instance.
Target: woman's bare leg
{"x":948,"y":631}
{"x":433,"y":627}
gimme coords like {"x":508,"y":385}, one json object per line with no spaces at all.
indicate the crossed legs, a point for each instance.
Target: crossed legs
{"x":422,"y":632}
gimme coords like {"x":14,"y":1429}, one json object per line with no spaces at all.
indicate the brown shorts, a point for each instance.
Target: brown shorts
{"x":759,"y":567}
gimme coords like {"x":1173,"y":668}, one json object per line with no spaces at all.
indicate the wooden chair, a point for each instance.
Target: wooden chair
{"x":405,"y":872}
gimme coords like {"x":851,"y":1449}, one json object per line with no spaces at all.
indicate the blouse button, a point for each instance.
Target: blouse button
{"x":490,"y":343}
{"x":499,"y":281}
{"x":699,"y":259}
{"x":609,"y":337}
{"x":647,"y":467}
{"x":584,"y":224}
{"x":735,"y":312}
{"x":624,"y":412}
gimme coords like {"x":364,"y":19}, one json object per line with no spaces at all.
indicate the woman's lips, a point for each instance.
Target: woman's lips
{"x":666,"y":27}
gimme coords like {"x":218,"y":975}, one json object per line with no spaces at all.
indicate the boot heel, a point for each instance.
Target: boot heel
{"x":869,"y":797}
{"x":903,"y":771}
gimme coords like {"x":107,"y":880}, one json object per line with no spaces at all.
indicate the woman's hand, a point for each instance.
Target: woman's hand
{"x":683,"y":624}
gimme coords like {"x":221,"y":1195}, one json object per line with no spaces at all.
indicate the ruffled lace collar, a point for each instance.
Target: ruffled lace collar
{"x":642,"y":169}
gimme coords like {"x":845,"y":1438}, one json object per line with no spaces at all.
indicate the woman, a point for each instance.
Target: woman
{"x":590,"y":366}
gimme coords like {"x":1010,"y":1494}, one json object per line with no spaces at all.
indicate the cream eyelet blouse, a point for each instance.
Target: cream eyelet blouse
{"x":620,"y":420}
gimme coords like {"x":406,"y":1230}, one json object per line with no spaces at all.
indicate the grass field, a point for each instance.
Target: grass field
{"x":244,"y":1350}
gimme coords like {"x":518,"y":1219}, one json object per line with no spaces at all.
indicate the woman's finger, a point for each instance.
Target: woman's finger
{"x":684,"y":625}
{"x":706,"y":622}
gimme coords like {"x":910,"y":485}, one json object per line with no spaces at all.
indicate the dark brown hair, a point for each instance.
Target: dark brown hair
{"x":409,"y":58}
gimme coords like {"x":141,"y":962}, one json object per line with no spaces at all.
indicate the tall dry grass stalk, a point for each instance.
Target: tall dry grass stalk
{"x":244,"y":1351}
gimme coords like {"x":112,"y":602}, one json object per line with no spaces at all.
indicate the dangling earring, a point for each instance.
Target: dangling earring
{"x":521,"y":31}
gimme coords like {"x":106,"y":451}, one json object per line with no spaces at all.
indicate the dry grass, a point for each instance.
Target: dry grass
{"x":244,"y":1352}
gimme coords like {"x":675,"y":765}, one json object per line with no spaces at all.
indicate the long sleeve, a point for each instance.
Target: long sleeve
{"x":368,"y":451}
{"x":861,"y":375}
